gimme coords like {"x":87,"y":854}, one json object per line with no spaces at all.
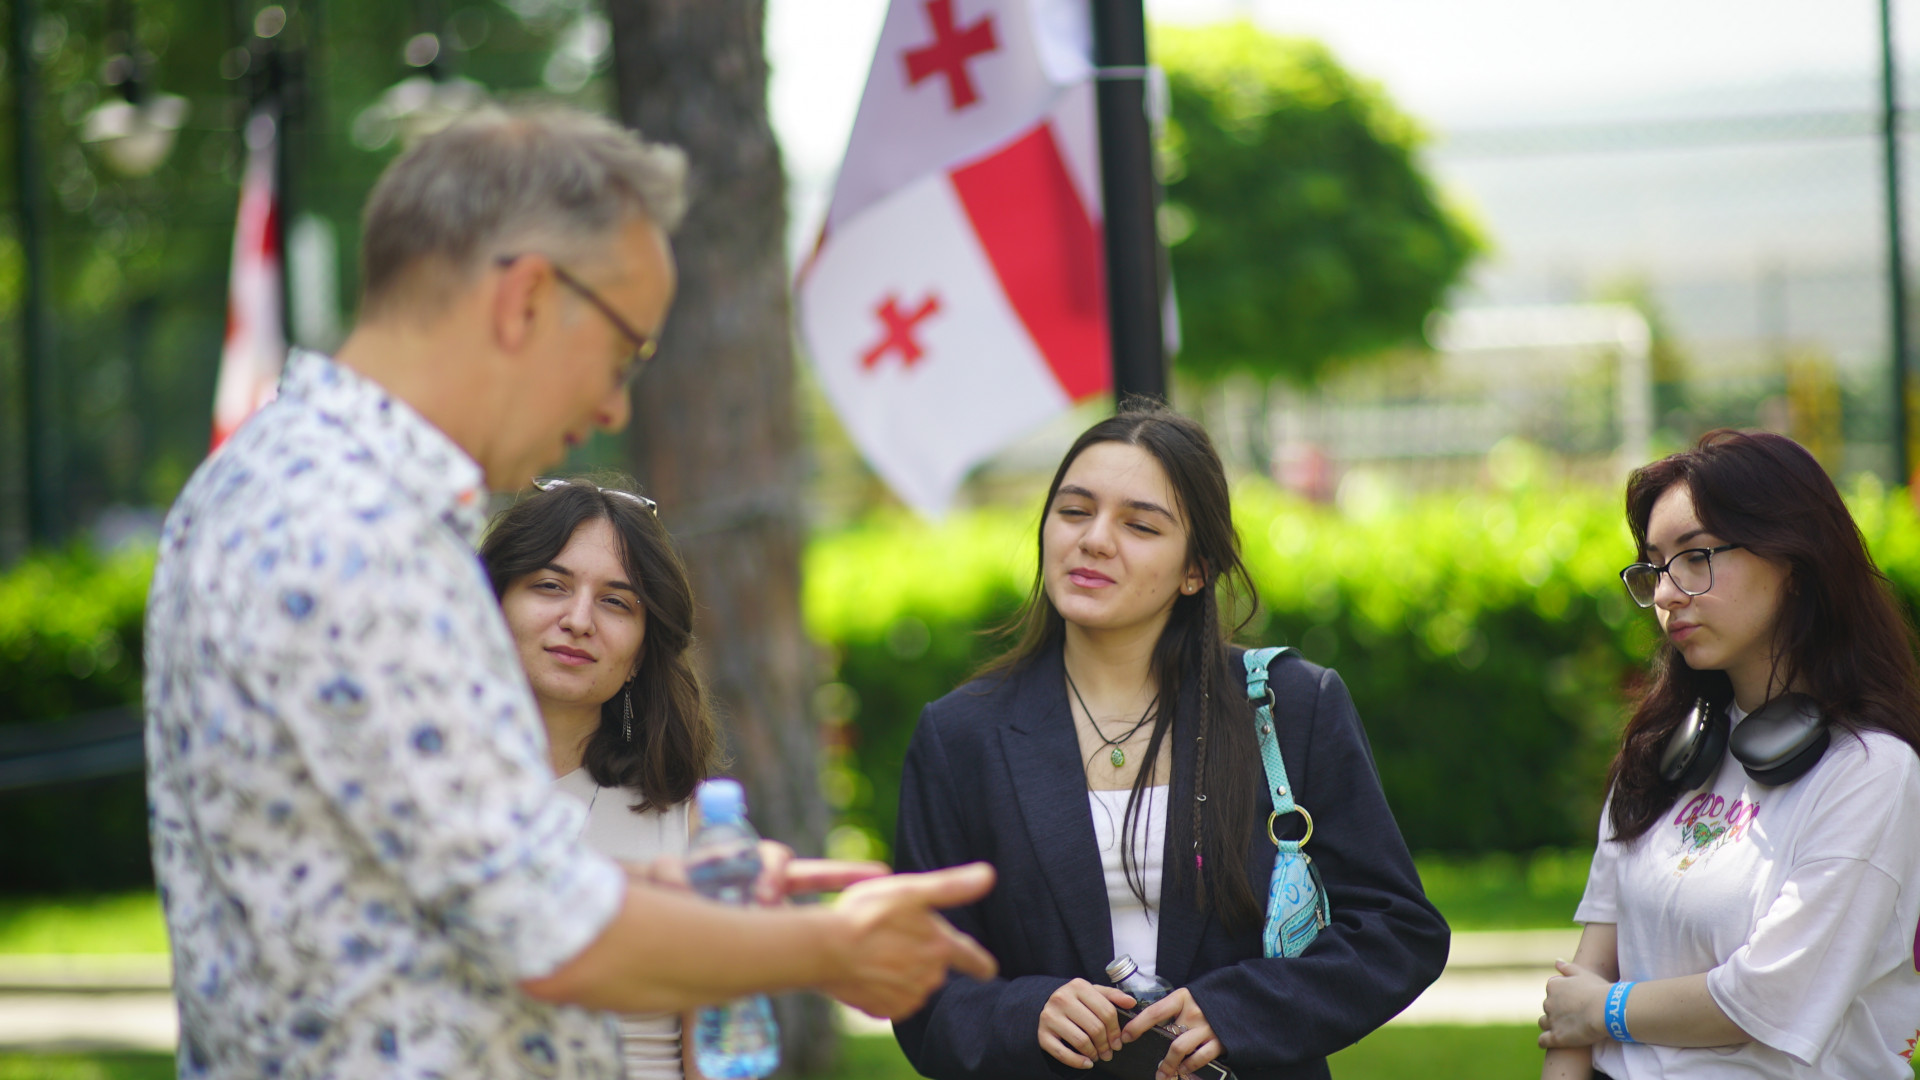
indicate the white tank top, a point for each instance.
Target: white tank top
{"x":1136,"y":931}
{"x":650,"y":1042}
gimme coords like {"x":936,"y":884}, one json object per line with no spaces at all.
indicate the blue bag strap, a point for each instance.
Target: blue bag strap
{"x":1261,"y":695}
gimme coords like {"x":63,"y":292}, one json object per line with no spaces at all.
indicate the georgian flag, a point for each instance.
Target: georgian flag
{"x":957,"y":297}
{"x":256,"y":342}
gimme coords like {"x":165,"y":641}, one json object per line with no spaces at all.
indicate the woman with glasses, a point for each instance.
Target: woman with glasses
{"x":1109,"y":767}
{"x":1753,"y":908}
{"x":602,"y":613}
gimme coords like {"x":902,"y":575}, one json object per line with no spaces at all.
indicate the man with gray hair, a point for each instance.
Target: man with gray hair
{"x":363,"y":867}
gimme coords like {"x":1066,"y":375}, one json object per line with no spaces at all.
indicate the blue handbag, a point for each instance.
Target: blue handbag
{"x":1297,"y":907}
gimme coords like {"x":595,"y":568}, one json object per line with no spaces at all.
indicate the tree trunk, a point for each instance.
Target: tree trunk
{"x":714,"y":436}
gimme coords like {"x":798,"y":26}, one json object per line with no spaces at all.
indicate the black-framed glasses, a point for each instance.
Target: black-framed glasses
{"x":1691,"y":571}
{"x":643,"y":345}
{"x":646,"y":504}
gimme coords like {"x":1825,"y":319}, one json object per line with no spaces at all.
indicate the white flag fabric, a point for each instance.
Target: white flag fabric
{"x":256,"y":342}
{"x":957,"y":297}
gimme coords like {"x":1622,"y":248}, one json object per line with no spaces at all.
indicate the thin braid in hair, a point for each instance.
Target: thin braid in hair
{"x":1208,"y":619}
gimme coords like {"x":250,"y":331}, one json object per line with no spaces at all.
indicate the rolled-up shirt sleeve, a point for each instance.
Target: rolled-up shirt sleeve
{"x":1830,"y":931}
{"x":1601,"y":902}
{"x":1808,"y":956}
{"x":397,"y":685}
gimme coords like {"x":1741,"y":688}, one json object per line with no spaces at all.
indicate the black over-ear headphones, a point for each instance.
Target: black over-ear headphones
{"x":1777,"y":744}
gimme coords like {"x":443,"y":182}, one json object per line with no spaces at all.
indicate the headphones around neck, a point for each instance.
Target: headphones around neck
{"x":1777,"y":744}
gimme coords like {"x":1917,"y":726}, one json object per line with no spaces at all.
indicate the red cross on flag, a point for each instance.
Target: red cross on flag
{"x":957,"y":298}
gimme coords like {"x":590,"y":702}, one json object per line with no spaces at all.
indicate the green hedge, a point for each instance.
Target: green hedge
{"x":70,"y":633}
{"x":1484,"y":635}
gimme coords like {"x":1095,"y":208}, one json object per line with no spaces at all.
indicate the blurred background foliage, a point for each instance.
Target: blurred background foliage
{"x":1305,"y":231}
{"x":137,"y":265}
{"x":70,"y":623}
{"x":1484,"y":636}
{"x":137,"y":269}
{"x":1303,"y":228}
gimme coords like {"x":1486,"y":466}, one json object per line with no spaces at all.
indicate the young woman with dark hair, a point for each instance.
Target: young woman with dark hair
{"x":1109,"y":767}
{"x":602,"y":614}
{"x":1754,"y":904}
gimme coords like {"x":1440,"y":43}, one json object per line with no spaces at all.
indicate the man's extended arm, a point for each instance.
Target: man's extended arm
{"x":881,"y":947}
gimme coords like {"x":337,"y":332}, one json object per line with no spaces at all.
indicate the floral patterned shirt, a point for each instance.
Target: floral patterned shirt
{"x":353,"y":827}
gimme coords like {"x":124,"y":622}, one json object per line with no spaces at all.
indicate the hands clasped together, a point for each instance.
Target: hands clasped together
{"x":1574,"y":1013}
{"x":1082,"y":1021}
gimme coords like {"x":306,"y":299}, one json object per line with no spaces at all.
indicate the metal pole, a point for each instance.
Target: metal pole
{"x":41,"y":403}
{"x":1130,"y":195}
{"x":1896,"y":260}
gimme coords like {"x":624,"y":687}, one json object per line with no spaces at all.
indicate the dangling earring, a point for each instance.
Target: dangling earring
{"x":626,"y":725}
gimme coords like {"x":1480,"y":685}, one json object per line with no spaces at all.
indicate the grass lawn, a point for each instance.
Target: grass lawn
{"x":1481,"y":1053}
{"x":128,"y":923}
{"x":1494,"y":1052}
{"x":1487,"y":892}
{"x":1393,"y":1053}
{"x":15,"y":1066}
{"x":1498,"y":1052}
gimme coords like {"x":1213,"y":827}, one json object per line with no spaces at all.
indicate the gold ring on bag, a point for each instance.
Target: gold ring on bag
{"x":1302,"y":811}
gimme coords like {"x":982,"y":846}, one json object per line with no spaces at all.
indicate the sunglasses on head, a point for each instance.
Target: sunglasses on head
{"x":645,"y":503}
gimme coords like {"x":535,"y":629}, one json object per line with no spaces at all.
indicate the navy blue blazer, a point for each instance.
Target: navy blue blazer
{"x":994,"y":773}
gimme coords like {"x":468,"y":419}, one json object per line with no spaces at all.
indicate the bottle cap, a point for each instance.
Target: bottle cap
{"x":721,"y":800}
{"x":1119,"y":967}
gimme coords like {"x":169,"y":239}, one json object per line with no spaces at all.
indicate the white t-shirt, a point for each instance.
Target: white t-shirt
{"x":1802,"y":905}
{"x":649,"y":1042}
{"x":1134,"y":931}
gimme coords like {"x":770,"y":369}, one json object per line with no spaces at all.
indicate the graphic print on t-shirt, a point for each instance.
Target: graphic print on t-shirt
{"x":1707,"y":823}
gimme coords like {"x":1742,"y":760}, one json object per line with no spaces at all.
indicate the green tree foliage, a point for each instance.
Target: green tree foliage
{"x":1304,"y":232}
{"x":137,"y":266}
{"x":1485,"y":638}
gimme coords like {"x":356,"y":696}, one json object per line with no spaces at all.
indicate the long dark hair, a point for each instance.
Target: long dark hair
{"x":1839,"y":629}
{"x":675,"y":741}
{"x":1193,"y":646}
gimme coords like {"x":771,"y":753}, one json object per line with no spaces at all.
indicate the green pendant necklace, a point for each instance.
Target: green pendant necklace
{"x":1118,"y":754}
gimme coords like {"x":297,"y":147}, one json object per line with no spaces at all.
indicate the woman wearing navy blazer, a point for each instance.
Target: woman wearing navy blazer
{"x":1122,"y":712}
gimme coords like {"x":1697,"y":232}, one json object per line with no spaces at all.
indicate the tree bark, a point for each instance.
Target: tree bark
{"x":714,"y":436}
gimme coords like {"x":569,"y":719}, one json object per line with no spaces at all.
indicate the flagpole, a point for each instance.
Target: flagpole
{"x":277,"y":94}
{"x":1130,"y":197}
{"x":1896,"y":261}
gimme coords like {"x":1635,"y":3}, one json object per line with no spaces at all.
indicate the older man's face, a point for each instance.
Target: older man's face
{"x":578,"y":384}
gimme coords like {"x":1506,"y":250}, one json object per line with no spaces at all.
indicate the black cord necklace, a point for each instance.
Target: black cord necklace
{"x":1117,"y":755}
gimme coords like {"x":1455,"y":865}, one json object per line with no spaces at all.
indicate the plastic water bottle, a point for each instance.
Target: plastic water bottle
{"x":738,"y":1040}
{"x":1145,"y":989}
